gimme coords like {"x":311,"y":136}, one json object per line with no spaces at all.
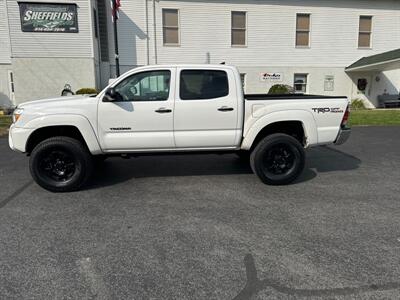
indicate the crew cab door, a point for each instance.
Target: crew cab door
{"x":142,"y":116}
{"x":206,"y":108}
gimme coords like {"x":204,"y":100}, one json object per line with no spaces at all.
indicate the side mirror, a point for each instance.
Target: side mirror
{"x":111,"y":95}
{"x":133,"y":90}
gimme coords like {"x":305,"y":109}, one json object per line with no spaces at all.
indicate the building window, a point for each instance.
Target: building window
{"x":303,"y":30}
{"x":203,"y":84}
{"x":300,"y":83}
{"x":170,"y":26}
{"x":11,"y":86}
{"x":243,"y":80}
{"x":238,"y":35}
{"x":365,"y":31}
{"x":11,"y":81}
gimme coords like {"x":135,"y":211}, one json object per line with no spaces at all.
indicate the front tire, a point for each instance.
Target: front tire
{"x":60,"y":164}
{"x":278,"y":159}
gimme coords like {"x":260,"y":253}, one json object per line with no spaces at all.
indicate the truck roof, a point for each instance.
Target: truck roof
{"x":196,"y":66}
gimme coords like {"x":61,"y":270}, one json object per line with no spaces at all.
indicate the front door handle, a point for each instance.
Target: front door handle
{"x":225,"y":108}
{"x":163,"y":110}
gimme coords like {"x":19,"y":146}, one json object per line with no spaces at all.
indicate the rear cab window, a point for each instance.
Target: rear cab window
{"x":203,"y":84}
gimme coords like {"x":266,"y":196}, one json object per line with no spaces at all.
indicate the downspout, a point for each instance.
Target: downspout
{"x":155,"y":31}
{"x":147,"y":32}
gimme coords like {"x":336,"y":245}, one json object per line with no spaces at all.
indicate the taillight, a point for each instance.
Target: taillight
{"x":345,"y":117}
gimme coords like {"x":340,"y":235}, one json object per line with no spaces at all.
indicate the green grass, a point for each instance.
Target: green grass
{"x":374,"y":117}
{"x":5,"y":122}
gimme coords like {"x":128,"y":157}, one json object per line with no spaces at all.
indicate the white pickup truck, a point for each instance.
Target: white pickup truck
{"x":174,"y":108}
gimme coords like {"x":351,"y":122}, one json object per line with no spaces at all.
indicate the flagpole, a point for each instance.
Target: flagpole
{"x":116,"y":37}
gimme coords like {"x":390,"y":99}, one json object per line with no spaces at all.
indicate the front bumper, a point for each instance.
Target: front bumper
{"x":17,"y":138}
{"x":343,"y":136}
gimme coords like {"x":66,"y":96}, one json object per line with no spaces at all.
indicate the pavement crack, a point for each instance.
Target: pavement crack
{"x":15,"y":194}
{"x":255,"y":285}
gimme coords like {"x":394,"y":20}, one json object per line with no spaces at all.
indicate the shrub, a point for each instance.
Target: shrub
{"x":6,"y":110}
{"x":85,"y":91}
{"x":357,"y":104}
{"x":280,"y":89}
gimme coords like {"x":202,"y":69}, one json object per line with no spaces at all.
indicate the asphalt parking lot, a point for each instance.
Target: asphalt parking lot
{"x":204,"y":227}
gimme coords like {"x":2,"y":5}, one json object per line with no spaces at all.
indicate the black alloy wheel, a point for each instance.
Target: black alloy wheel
{"x":58,"y":165}
{"x":61,"y":164}
{"x":278,"y":159}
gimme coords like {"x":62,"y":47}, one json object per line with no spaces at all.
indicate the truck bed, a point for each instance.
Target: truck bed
{"x":321,"y":116}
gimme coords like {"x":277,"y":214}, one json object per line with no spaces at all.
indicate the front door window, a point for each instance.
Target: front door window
{"x":145,"y":86}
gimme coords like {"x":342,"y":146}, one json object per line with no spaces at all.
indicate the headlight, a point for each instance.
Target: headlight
{"x":17,"y":113}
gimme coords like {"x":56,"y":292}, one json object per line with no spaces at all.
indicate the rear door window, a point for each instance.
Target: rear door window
{"x":203,"y":84}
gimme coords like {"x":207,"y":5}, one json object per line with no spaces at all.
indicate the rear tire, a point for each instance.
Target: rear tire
{"x":278,"y":159}
{"x":60,"y":164}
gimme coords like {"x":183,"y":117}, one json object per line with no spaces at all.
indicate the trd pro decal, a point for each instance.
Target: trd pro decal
{"x":327,"y":110}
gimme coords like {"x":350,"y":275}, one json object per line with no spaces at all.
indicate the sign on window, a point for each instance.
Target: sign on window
{"x":329,"y":83}
{"x":44,"y":17}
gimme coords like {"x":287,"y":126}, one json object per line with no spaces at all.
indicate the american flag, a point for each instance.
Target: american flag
{"x":115,"y":10}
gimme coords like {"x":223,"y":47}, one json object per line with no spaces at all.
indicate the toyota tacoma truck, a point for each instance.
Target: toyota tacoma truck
{"x":174,"y":108}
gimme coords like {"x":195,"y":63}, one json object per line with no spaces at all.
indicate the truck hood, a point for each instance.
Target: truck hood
{"x":82,"y":105}
{"x":58,"y":101}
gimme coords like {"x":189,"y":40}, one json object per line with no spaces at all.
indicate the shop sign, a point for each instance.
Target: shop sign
{"x":48,"y":17}
{"x":276,"y":77}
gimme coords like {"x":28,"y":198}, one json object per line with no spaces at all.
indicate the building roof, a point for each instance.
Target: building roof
{"x":375,"y":61}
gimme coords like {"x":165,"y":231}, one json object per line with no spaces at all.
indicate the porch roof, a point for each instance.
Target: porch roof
{"x":380,"y":62}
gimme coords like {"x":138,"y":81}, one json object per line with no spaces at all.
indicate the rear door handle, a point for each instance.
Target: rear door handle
{"x":225,"y":108}
{"x":163,"y":110}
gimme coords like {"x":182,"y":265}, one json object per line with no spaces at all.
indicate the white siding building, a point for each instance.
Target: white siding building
{"x":306,"y":44}
{"x":41,"y":63}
